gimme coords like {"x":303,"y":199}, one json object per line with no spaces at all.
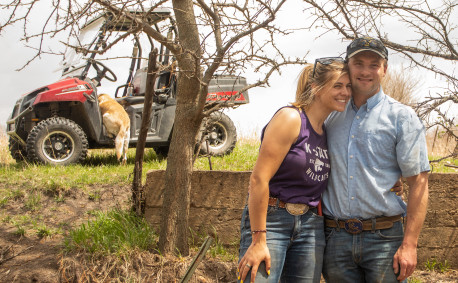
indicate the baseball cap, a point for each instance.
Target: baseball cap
{"x":366,"y":44}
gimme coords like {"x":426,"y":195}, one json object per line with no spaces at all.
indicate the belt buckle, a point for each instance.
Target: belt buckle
{"x":296,"y":208}
{"x":353,"y":226}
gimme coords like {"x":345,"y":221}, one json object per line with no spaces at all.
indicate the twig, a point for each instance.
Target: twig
{"x":13,"y":256}
{"x":451,"y":165}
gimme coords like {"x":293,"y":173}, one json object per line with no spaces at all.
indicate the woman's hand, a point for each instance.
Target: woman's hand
{"x":256,"y":253}
{"x":398,"y":188}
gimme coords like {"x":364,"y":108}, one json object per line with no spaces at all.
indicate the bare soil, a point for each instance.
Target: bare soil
{"x":31,"y":258}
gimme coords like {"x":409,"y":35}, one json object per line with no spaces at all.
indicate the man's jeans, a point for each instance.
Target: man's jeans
{"x":296,"y":246}
{"x":364,"y":257}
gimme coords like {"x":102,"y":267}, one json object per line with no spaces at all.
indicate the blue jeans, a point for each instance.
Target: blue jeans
{"x":296,"y":246}
{"x":364,"y":257}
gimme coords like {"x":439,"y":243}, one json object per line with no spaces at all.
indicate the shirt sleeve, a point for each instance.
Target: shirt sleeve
{"x":411,"y":150}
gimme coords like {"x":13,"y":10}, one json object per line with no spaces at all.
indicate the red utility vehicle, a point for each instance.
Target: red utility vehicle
{"x":58,"y":123}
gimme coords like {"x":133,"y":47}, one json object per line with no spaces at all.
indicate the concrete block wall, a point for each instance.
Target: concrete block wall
{"x":218,"y":198}
{"x":439,"y":236}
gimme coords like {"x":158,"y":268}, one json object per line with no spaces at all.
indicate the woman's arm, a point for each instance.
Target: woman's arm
{"x":279,"y":135}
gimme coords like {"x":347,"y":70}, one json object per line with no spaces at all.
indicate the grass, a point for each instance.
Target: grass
{"x":225,"y":252}
{"x":435,"y":265}
{"x":101,"y":167}
{"x":441,"y":167}
{"x":114,"y":232}
{"x":33,"y":201}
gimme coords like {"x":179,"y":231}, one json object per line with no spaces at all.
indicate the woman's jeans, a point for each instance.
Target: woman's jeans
{"x":364,"y":257}
{"x":296,"y":245}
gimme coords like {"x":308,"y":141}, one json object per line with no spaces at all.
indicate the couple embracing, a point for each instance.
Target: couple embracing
{"x":344,"y":144}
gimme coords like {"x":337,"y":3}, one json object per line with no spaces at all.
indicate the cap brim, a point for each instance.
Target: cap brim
{"x":366,"y":49}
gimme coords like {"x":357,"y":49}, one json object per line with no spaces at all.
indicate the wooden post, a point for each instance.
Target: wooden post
{"x":137,"y":188}
{"x":199,"y":257}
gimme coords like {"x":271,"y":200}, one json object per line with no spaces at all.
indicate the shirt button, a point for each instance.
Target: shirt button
{"x":351,"y":156}
{"x":352,"y":136}
{"x":351,"y":177}
{"x":357,"y":117}
{"x":352,"y":198}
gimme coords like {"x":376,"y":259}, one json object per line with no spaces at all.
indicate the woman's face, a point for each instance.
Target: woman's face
{"x":336,"y":96}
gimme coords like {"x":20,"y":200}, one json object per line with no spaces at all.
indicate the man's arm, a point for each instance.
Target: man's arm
{"x":405,"y":259}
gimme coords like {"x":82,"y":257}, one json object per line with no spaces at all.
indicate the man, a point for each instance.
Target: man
{"x":371,"y":144}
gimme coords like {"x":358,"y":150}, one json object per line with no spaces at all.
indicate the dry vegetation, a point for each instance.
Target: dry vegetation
{"x":5,"y":156}
{"x":440,"y":144}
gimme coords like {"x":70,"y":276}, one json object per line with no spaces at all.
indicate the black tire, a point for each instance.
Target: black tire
{"x":18,"y":151}
{"x":57,"y":141}
{"x":221,"y":134}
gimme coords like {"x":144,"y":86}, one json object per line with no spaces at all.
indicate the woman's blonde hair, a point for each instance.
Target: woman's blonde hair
{"x":309,"y":83}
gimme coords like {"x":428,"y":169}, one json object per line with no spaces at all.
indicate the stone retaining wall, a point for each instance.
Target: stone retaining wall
{"x":218,"y":198}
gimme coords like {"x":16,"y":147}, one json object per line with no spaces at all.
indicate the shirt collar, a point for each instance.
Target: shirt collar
{"x":371,"y":102}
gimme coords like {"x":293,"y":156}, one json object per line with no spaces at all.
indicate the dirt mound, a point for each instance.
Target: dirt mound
{"x":31,"y":258}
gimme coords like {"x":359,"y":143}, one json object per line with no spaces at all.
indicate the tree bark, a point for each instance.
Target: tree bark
{"x":174,"y":226}
{"x":138,"y":204}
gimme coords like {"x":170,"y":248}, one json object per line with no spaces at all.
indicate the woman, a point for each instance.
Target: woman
{"x":282,"y":235}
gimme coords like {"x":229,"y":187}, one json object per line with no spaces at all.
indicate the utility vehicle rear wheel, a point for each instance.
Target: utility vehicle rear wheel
{"x":57,"y":141}
{"x":221,"y":134}
{"x":161,"y":150}
{"x":18,"y":151}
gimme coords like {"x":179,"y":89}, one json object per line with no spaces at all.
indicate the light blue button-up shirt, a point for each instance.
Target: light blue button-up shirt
{"x":370,"y":148}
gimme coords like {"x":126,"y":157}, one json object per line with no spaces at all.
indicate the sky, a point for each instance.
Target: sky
{"x":249,"y":119}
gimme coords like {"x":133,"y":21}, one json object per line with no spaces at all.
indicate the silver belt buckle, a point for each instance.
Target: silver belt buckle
{"x":296,"y":208}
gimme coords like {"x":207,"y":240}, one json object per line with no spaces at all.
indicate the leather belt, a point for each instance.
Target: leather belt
{"x":356,"y":226}
{"x":292,"y":208}
{"x":273,"y":202}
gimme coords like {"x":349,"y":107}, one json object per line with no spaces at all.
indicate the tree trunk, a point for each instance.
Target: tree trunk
{"x":175,"y":212}
{"x":137,"y":191}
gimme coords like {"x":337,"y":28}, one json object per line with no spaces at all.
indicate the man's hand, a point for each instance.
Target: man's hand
{"x":405,"y":261}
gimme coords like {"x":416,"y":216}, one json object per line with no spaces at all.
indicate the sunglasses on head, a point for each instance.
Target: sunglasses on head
{"x":326,"y":61}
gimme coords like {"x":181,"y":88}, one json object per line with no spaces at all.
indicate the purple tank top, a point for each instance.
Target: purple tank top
{"x":303,"y":175}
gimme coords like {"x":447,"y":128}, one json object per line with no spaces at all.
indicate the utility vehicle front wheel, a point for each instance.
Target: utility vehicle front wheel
{"x":220,"y":132}
{"x":57,"y":141}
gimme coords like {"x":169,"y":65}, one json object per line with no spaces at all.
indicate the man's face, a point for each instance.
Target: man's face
{"x":366,"y":72}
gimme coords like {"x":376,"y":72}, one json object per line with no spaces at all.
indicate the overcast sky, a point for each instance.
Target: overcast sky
{"x":249,"y":118}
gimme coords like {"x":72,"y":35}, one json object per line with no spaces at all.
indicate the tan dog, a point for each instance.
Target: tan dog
{"x":117,"y":123}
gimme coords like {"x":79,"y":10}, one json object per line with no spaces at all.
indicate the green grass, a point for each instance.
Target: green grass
{"x":225,"y":252}
{"x":435,"y":265}
{"x":242,"y":158}
{"x":440,"y":167}
{"x":20,"y":231}
{"x":114,"y":232}
{"x":42,"y":231}
{"x":101,"y":167}
{"x":33,"y":201}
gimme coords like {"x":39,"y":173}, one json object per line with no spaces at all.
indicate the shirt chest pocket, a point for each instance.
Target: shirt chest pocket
{"x":378,"y":148}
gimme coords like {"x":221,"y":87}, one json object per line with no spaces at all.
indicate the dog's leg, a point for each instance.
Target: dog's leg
{"x":119,"y":141}
{"x":126,"y":145}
